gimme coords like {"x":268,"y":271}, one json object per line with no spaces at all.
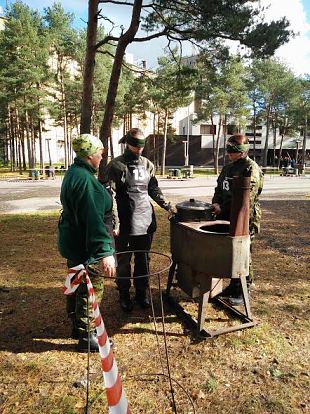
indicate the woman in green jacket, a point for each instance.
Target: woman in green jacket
{"x":84,"y":231}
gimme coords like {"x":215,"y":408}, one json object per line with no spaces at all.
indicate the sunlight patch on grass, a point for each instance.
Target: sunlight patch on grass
{"x":256,"y":371}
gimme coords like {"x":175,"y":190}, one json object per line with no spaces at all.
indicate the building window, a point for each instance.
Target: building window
{"x":207,"y":129}
{"x":256,"y":142}
{"x":251,"y":127}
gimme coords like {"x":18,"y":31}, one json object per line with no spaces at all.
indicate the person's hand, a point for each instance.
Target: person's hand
{"x":216,"y":209}
{"x":172,"y":212}
{"x":107,"y":266}
{"x":116,"y":232}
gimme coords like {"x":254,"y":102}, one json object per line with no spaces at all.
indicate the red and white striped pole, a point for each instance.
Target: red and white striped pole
{"x":117,"y":400}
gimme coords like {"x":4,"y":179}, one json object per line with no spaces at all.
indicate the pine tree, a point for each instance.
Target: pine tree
{"x":223,"y":94}
{"x":63,"y":40}
{"x":171,"y":88}
{"x":205,"y":22}
{"x":23,"y":68}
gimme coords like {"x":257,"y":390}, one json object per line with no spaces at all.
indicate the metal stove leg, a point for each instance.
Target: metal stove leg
{"x":203,"y":302}
{"x":170,"y":277}
{"x":246,"y":299}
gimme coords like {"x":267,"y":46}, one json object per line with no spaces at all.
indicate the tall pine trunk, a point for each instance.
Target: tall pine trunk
{"x":124,"y":40}
{"x":154,"y":139}
{"x":60,"y":76}
{"x":65,"y":122}
{"x":274,"y":143}
{"x":157,"y":146}
{"x":41,"y":144}
{"x":29,"y":144}
{"x":304,"y":144}
{"x":20,"y":151}
{"x":89,"y":67}
{"x":23,"y":155}
{"x":33,"y":143}
{"x":280,"y":150}
{"x":41,"y":155}
{"x":163,"y":164}
{"x":225,"y":137}
{"x":19,"y":156}
{"x":12,"y":139}
{"x":217,"y":150}
{"x":213,"y":140}
{"x":265,"y":155}
{"x":254,"y":131}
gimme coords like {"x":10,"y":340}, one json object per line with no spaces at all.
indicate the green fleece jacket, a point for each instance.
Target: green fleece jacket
{"x":83,"y":234}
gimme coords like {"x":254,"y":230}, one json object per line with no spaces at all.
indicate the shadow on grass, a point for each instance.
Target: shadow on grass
{"x":284,"y":227}
{"x":34,"y":319}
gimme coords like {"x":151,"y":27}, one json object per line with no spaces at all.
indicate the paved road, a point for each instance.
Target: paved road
{"x":27,"y":196}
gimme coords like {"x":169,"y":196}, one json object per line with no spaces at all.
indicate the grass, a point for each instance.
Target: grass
{"x":210,"y":385}
{"x":257,"y":371}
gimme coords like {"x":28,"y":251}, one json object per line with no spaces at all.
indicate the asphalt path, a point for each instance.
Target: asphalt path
{"x":29,"y":196}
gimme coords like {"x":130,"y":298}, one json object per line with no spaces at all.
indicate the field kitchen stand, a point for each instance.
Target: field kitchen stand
{"x":204,"y":253}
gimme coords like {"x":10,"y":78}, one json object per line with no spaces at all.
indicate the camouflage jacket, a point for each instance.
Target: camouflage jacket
{"x":115,"y":180}
{"x":223,"y":190}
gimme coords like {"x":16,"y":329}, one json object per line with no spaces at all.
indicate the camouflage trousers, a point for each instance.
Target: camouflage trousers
{"x":77,"y":302}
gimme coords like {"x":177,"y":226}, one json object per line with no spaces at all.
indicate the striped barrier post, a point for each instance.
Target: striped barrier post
{"x":116,"y":398}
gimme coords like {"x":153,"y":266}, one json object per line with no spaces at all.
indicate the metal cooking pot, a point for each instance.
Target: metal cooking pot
{"x":194,"y":210}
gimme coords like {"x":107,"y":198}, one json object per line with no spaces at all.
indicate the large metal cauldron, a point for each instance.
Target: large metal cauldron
{"x":194,"y":210}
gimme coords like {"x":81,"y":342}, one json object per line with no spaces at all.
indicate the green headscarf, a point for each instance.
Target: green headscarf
{"x":86,"y":145}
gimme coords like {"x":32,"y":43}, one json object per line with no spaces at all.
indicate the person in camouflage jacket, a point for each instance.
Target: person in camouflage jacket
{"x":132,"y":182}
{"x":240,"y":165}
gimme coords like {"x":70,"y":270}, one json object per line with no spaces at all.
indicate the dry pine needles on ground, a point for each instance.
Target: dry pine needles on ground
{"x":260,"y":370}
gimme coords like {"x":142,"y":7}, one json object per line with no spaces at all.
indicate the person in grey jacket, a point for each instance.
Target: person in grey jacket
{"x":132,"y":182}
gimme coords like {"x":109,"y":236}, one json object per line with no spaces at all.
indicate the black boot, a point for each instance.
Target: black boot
{"x":229,"y":289}
{"x":236,"y":297}
{"x":82,"y":345}
{"x":142,"y":299}
{"x":74,"y":329}
{"x":125,"y":301}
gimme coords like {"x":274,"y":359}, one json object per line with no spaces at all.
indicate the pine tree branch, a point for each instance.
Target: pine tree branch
{"x":153,"y":36}
{"x":106,"y":40}
{"x":106,"y":52}
{"x":101,"y":16}
{"x":129,"y":67}
{"x":173,"y":28}
{"x":124,"y":3}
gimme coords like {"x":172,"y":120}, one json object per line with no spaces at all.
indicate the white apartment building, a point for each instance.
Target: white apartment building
{"x":185,"y":126}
